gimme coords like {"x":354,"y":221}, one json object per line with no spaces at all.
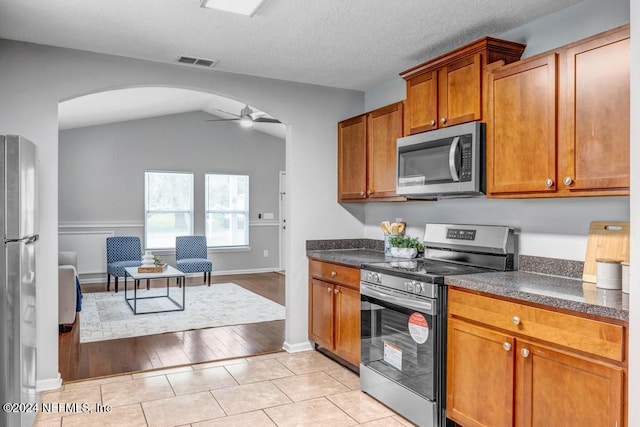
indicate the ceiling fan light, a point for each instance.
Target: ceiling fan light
{"x":246,"y":122}
{"x":243,"y":7}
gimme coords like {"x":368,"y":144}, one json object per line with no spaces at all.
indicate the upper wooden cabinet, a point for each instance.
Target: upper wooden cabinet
{"x":449,"y":89}
{"x":558,"y":123}
{"x":521,"y":154}
{"x":367,"y":155}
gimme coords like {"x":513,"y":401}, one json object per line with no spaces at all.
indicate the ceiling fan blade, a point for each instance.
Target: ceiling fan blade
{"x":222,"y":120}
{"x":226,"y":112}
{"x":266,"y":120}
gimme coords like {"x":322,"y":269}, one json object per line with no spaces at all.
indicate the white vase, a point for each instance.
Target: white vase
{"x":404,"y":252}
{"x":147,"y":259}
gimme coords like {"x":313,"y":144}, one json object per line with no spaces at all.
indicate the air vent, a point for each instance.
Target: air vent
{"x":200,"y":62}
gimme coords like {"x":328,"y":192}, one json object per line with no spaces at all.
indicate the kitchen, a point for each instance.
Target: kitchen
{"x":46,"y":70}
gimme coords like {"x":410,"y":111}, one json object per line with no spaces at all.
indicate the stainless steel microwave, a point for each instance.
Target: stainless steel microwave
{"x":447,"y":162}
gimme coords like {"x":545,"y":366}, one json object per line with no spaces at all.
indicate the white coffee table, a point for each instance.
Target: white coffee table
{"x":169,"y":273}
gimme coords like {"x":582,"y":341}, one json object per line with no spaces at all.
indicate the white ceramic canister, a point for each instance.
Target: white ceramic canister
{"x":608,"y":274}
{"x":625,"y":277}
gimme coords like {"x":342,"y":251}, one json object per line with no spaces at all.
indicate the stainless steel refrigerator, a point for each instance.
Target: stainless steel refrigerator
{"x":18,"y":268}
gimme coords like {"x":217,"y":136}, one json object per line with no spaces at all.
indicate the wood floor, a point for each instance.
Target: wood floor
{"x":103,"y":358}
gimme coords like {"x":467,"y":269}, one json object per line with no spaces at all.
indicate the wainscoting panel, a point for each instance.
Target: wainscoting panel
{"x":91,"y":247}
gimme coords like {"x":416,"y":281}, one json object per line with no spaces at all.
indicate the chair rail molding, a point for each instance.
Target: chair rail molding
{"x":90,"y":224}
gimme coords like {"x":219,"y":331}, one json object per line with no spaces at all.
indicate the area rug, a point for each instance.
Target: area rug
{"x":107,"y":316}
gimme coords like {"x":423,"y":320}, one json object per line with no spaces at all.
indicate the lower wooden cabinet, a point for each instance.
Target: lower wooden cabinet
{"x":497,"y":377}
{"x":480,"y":376}
{"x":557,"y":388}
{"x":334,"y":309}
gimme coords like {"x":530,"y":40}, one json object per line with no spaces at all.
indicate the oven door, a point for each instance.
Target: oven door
{"x":398,"y":338}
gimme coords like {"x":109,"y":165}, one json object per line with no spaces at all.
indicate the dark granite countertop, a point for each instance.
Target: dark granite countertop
{"x":349,"y":257}
{"x":555,"y":292}
{"x":543,"y":289}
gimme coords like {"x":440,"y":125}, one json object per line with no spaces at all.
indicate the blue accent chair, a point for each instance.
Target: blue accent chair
{"x":191,"y":256}
{"x":122,"y":252}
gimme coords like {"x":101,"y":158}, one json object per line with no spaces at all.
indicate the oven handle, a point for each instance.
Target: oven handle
{"x":452,"y":159}
{"x":423,"y":306}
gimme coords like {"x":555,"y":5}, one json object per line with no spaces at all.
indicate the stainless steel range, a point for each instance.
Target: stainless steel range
{"x":403,"y":316}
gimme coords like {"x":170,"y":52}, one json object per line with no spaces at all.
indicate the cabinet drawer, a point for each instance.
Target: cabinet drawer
{"x":335,"y":273}
{"x":590,"y":336}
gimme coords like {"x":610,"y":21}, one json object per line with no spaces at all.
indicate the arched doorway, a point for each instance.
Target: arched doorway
{"x":112,"y":138}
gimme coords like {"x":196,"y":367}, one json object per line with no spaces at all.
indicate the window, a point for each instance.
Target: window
{"x":168,"y":205}
{"x":227,"y":210}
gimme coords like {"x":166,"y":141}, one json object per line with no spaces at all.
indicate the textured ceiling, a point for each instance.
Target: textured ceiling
{"x":354,"y":44}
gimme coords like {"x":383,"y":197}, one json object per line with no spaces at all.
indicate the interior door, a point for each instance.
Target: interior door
{"x":283,"y":220}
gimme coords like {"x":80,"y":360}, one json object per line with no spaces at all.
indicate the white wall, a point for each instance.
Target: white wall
{"x":101,"y":178}
{"x":634,"y":297}
{"x":35,"y":78}
{"x":555,"y":228}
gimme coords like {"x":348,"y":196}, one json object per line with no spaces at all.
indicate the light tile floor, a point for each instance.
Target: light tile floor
{"x":279,"y":389}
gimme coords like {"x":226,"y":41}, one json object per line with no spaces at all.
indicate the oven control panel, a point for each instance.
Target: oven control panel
{"x":371,"y":277}
{"x":401,"y":284}
{"x":414,"y":287}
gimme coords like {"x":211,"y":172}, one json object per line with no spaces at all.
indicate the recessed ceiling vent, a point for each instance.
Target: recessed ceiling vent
{"x":200,"y":62}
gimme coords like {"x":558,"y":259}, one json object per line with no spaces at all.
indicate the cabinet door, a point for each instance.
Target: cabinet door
{"x":557,"y":389}
{"x":347,"y":324}
{"x":384,"y":126}
{"x":352,"y":159}
{"x":422,"y":102}
{"x":479,"y":376}
{"x":596,"y":155}
{"x":522,"y":137}
{"x":460,"y":91}
{"x":321,"y":313}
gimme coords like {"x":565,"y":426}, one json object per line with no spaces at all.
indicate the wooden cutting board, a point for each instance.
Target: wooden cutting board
{"x":607,"y":240}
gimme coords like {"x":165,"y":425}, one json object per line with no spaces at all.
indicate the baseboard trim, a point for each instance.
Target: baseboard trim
{"x":103,"y":279}
{"x":49,"y":384}
{"x":298,"y":347}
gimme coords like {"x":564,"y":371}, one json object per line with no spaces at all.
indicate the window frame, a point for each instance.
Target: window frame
{"x":207,"y":211}
{"x":147,"y":211}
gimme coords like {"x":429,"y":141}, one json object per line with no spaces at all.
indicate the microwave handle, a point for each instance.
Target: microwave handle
{"x":452,"y":159}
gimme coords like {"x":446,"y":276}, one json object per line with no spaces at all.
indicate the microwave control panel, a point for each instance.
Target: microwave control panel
{"x":466,"y":168}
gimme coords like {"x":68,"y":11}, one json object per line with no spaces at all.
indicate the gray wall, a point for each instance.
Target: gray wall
{"x":101,"y":177}
{"x":556,"y":227}
{"x":36,"y":78}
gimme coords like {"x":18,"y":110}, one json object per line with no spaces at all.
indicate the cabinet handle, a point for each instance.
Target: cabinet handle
{"x":370,"y":192}
{"x":334,"y":274}
{"x":515,"y":320}
{"x":524,"y":352}
{"x":506,"y":346}
{"x":443,"y":120}
{"x":336,"y":291}
{"x":548,"y":182}
{"x":432,"y":123}
{"x":567,"y":180}
{"x":362,"y":193}
{"x":329,"y":290}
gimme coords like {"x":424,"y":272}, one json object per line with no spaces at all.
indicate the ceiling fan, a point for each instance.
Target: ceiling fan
{"x":247,"y":117}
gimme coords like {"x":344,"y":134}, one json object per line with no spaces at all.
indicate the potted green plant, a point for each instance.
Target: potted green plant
{"x":405,"y":246}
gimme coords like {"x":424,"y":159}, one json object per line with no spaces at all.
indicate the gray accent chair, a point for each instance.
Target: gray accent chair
{"x":67,"y":272}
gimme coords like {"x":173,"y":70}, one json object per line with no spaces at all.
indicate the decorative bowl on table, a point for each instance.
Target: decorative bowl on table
{"x":404,"y":252}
